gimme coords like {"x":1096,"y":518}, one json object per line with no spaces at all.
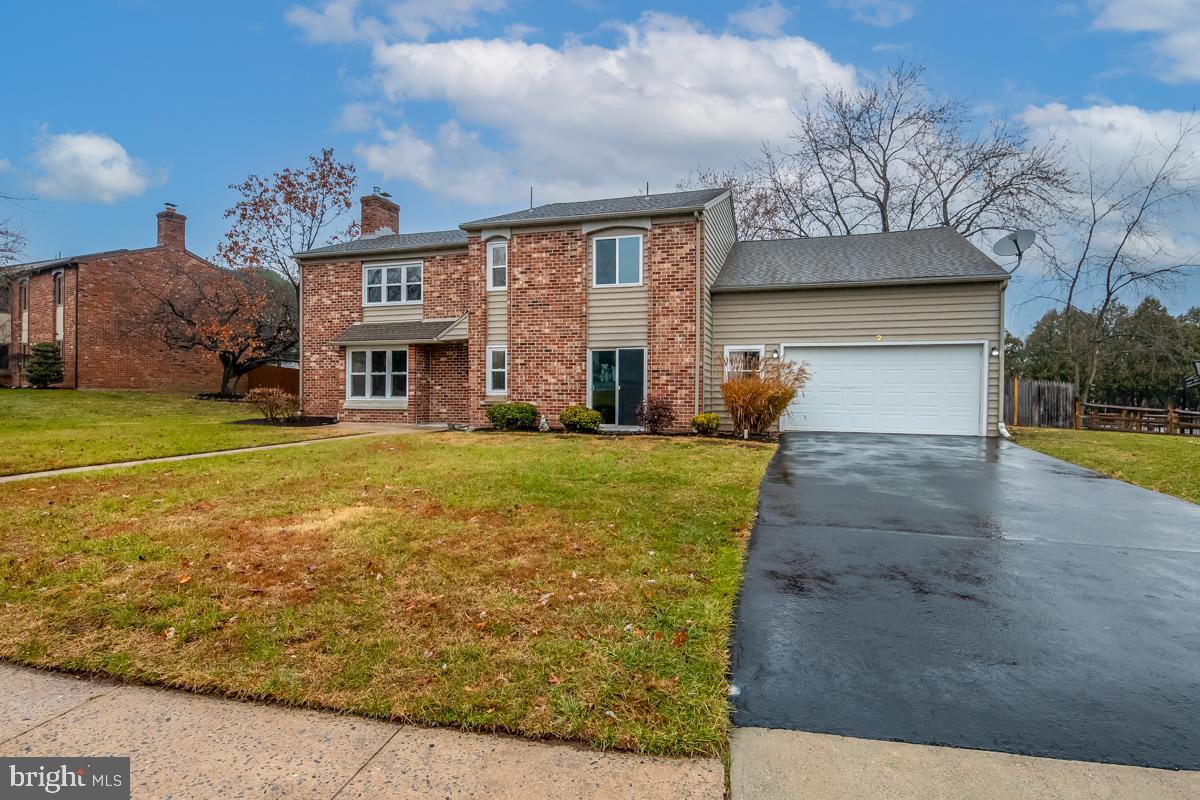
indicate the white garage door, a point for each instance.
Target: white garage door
{"x":890,"y":389}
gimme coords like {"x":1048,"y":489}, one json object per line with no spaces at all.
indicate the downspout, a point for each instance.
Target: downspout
{"x":1001,"y":427}
{"x":299,"y":335}
{"x":76,"y":326}
{"x":699,"y":314}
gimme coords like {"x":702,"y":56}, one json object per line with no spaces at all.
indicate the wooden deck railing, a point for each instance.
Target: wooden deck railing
{"x":1136,"y":419}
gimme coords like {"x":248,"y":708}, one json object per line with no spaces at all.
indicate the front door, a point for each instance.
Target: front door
{"x":618,"y":384}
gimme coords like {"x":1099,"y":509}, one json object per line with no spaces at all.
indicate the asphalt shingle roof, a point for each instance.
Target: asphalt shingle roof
{"x":931,"y":254}
{"x":34,"y":266}
{"x":395,"y":243}
{"x":400,"y":332}
{"x":610,"y":207}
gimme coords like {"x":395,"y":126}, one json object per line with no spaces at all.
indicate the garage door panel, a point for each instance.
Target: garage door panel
{"x":932,"y":388}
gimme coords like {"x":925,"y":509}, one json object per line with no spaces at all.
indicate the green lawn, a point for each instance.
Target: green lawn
{"x":545,"y":585}
{"x":60,"y":428}
{"x":1169,"y":464}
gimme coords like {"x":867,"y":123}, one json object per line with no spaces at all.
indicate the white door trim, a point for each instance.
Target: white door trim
{"x":981,"y":343}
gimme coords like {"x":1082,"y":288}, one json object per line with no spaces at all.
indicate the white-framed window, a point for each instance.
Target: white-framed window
{"x":377,"y":374}
{"x":391,"y":284}
{"x":497,"y":265}
{"x":23,"y":295}
{"x":742,"y":360}
{"x":58,"y":288}
{"x":497,"y":370}
{"x":617,"y":260}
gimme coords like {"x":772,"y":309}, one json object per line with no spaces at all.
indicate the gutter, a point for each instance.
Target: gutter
{"x":363,"y":255}
{"x":778,"y":287}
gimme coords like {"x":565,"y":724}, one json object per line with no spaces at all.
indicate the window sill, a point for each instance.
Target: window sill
{"x":390,"y":305}
{"x":364,"y":403}
{"x":637,"y":285}
{"x":494,"y":399}
{"x":499,"y":290}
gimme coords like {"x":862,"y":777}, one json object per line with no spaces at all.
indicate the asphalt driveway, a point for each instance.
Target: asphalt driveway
{"x":969,"y":592}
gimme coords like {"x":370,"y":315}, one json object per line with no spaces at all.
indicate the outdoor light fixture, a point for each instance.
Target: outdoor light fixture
{"x":995,"y":351}
{"x":774,"y":352}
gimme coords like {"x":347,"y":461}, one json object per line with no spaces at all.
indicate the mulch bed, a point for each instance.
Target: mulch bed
{"x":295,"y":422}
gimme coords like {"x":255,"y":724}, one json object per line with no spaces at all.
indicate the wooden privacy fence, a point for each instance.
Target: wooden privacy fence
{"x":1039,"y":404}
{"x":272,"y":377}
{"x":1135,"y":419}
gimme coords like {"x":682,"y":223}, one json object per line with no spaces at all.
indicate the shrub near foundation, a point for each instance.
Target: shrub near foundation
{"x":757,"y":398}
{"x":513,"y":416}
{"x":581,"y":419}
{"x":706,"y":424}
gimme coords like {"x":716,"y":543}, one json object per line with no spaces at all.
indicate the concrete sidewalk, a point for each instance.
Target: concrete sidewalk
{"x":346,"y":430}
{"x":768,"y":764}
{"x":184,"y":745}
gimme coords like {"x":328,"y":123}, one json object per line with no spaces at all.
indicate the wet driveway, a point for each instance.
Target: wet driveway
{"x":969,"y":592}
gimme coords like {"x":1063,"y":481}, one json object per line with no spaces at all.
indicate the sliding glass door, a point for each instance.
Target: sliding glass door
{"x":618,"y":384}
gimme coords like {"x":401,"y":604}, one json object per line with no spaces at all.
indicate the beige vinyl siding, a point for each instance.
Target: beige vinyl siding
{"x":617,"y":315}
{"x":933,"y":312}
{"x":720,"y":232}
{"x":497,"y":318}
{"x":406,"y":312}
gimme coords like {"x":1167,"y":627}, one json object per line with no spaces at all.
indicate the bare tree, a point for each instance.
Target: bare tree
{"x":288,"y":212}
{"x":889,"y":157}
{"x":1122,"y":247}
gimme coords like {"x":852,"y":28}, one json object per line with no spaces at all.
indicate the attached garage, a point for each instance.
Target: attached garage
{"x":905,"y":388}
{"x":903,"y":332}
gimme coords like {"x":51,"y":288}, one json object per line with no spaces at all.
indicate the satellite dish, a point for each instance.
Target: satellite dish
{"x":1015,"y":243}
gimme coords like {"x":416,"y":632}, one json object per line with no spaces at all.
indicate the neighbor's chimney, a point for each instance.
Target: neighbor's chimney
{"x":380,"y":216}
{"x":171,"y":228}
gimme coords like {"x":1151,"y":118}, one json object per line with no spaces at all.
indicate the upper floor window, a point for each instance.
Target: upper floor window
{"x":23,"y":296}
{"x":58,"y":288}
{"x":391,"y":283}
{"x":497,"y":264}
{"x":617,"y":261}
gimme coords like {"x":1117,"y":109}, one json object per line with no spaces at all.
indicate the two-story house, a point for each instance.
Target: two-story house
{"x":608,"y":302}
{"x":90,"y":304}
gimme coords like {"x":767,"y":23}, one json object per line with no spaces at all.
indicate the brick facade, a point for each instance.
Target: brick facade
{"x":670,"y":275}
{"x":547,"y":332}
{"x":103,"y":295}
{"x":547,"y":320}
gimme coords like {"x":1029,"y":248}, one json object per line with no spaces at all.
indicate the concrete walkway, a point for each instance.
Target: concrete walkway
{"x":347,"y":431}
{"x":190,"y":746}
{"x":781,"y":765}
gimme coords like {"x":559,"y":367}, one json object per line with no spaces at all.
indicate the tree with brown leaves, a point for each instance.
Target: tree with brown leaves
{"x":288,"y":212}
{"x":241,"y":316}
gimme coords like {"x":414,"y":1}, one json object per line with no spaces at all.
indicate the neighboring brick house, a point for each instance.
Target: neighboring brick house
{"x":609,"y":302}
{"x":92,"y":305}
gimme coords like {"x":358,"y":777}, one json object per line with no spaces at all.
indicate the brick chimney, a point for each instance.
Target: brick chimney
{"x":171,"y":228}
{"x":380,"y":216}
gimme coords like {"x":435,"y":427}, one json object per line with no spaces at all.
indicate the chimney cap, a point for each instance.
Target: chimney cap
{"x":375,"y":190}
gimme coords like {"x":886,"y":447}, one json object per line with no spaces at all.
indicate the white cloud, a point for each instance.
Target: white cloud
{"x":1106,"y":134}
{"x":1105,"y":137}
{"x":87,"y":166}
{"x":765,"y":19}
{"x":1174,"y":28}
{"x":5,"y":164}
{"x":583,"y":119}
{"x":340,"y":21}
{"x":881,"y":13}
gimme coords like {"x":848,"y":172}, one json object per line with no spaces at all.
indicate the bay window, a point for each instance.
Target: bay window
{"x":377,"y":374}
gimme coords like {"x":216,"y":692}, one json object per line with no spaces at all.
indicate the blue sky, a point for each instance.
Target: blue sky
{"x":458,"y":106}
